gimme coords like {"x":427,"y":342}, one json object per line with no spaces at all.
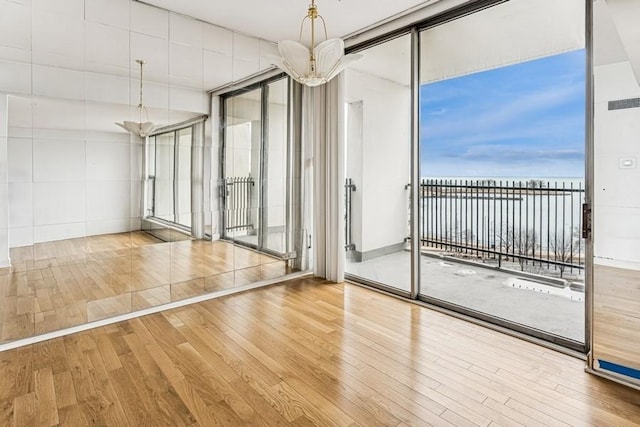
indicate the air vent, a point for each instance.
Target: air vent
{"x":622,"y":104}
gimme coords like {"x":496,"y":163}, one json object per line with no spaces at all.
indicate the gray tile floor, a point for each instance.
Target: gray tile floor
{"x":559,"y":311}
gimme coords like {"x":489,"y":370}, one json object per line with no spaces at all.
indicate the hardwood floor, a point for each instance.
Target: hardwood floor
{"x":60,"y":284}
{"x":306,"y":352}
{"x":616,"y":316}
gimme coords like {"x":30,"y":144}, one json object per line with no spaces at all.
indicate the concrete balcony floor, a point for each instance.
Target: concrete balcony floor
{"x":500,"y":293}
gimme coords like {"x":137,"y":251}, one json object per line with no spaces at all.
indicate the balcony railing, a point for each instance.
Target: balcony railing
{"x":238,"y":194}
{"x":531,"y":223}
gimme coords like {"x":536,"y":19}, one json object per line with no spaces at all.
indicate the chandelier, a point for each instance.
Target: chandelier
{"x":316,"y":65}
{"x":140,"y":129}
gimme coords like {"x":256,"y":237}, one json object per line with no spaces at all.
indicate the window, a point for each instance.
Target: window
{"x":170,"y":160}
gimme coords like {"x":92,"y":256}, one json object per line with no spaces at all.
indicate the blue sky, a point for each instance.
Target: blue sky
{"x":523,"y":120}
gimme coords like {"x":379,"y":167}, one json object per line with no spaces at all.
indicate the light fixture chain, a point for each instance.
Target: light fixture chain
{"x":141,"y":62}
{"x":301,"y":62}
{"x":141,"y":105}
{"x":313,"y":14}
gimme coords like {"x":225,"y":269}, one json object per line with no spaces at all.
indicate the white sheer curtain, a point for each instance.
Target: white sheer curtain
{"x":324,"y":135}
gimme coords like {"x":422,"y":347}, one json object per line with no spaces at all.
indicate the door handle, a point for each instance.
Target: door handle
{"x":586,"y":221}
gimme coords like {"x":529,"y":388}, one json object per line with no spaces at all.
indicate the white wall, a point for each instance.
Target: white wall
{"x":383,"y":161}
{"x":617,"y":189}
{"x":69,"y":69}
{"x":616,"y":218}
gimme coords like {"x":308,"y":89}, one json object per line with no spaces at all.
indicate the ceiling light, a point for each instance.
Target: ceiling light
{"x":316,"y":65}
{"x":140,"y":129}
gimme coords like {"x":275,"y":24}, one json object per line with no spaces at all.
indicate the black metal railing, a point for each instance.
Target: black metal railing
{"x":531,"y":223}
{"x":238,"y":203}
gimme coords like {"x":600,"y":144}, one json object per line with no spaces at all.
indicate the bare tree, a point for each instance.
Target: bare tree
{"x":564,"y":247}
{"x":464,"y":236}
{"x":517,"y":243}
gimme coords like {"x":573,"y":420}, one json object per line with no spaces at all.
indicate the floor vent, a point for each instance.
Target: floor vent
{"x":624,"y":103}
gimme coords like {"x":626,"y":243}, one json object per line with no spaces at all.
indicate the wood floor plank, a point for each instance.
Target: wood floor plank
{"x":78,"y":365}
{"x":65,"y":391}
{"x":518,"y":417}
{"x":72,"y":416}
{"x":109,"y":404}
{"x":290,"y":378}
{"x":149,"y":374}
{"x":108,"y":353}
{"x":316,"y":372}
{"x":45,"y":392}
{"x":183,"y":389}
{"x":306,"y":352}
{"x":6,"y":412}
{"x":24,"y":412}
{"x":267,"y":412}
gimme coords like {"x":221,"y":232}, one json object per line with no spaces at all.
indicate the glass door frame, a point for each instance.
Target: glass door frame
{"x":196,"y":125}
{"x":263,"y":86}
{"x":503,"y":325}
{"x":176,"y":172}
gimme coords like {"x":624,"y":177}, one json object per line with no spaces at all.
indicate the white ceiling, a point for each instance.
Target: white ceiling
{"x":276,"y":20}
{"x":625,"y":14}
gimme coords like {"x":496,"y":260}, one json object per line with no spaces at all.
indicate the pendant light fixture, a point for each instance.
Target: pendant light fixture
{"x":140,"y":129}
{"x":316,"y":65}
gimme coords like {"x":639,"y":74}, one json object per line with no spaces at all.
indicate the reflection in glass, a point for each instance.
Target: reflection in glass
{"x":169,"y":157}
{"x":378,"y":164}
{"x":81,"y":198}
{"x":164,"y":168}
{"x":616,"y":122}
{"x":275,"y":194}
{"x":255,"y":180}
{"x":183,"y":176}
{"x":243,"y":144}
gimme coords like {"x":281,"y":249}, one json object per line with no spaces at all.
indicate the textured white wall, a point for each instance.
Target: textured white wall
{"x":68,"y":67}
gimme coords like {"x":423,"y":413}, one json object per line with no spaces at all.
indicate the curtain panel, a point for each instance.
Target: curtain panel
{"x":323,"y":127}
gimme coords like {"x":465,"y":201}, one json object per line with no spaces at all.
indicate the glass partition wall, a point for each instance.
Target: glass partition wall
{"x":103,"y":223}
{"x":255,"y":183}
{"x":495,"y":147}
{"x":256,"y":150}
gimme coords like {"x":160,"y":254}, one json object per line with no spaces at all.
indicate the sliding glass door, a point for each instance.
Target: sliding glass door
{"x":502,"y":166}
{"x":183,"y":141}
{"x":161,"y":168}
{"x":465,"y":165}
{"x":170,"y":158}
{"x":378,"y":141}
{"x":254,"y":186}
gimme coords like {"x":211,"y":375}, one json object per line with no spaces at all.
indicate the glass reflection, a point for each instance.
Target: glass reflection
{"x":255,"y":181}
{"x":103,"y":223}
{"x":378,"y":155}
